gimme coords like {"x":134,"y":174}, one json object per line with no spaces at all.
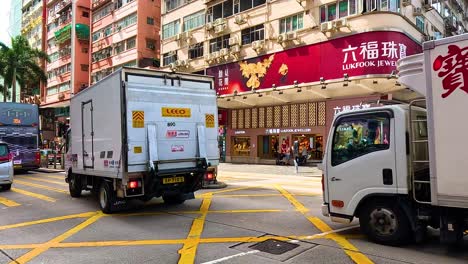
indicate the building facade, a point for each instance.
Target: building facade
{"x":282,"y":69}
{"x":31,"y":24}
{"x":124,"y":33}
{"x":14,"y":28}
{"x":67,"y":44}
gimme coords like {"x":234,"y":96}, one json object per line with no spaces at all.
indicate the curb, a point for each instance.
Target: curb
{"x":218,"y":185}
{"x":49,"y":170}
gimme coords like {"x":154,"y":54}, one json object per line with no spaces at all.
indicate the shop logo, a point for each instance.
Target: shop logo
{"x":178,"y":133}
{"x":373,"y":54}
{"x":177,"y":148}
{"x":175,"y":112}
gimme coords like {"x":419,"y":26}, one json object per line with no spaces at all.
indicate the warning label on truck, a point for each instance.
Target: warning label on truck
{"x":209,"y":120}
{"x":175,"y":112}
{"x":138,"y":119}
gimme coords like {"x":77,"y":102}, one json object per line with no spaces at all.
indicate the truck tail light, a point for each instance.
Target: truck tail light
{"x":209,"y":176}
{"x":134,"y":184}
{"x":38,"y":158}
{"x":338,"y":203}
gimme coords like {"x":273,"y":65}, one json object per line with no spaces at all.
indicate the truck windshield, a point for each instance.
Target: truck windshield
{"x":356,"y":136}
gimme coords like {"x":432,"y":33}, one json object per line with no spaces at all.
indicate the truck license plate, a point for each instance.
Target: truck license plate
{"x":173,"y":180}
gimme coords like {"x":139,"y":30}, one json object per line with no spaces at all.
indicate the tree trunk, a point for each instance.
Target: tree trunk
{"x":5,"y":91}
{"x":14,"y":86}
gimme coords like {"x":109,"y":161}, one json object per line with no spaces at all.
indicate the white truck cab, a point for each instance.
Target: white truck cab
{"x":400,"y":168}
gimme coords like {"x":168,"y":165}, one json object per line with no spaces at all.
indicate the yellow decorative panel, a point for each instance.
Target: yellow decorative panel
{"x":234,"y":119}
{"x":277,"y":116}
{"x":294,"y":115}
{"x":269,"y":117}
{"x":312,"y":114}
{"x":261,"y":117}
{"x":303,"y":115}
{"x":240,"y":118}
{"x":247,"y":118}
{"x":254,"y":117}
{"x":321,"y":113}
{"x":285,"y":115}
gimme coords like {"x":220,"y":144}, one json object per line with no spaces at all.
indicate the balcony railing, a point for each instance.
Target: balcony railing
{"x":62,"y":5}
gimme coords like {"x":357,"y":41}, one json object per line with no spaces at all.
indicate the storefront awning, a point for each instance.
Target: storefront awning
{"x":64,"y":34}
{"x":56,"y":105}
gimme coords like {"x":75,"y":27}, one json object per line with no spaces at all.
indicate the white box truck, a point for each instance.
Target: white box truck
{"x":402,"y":168}
{"x":142,"y":134}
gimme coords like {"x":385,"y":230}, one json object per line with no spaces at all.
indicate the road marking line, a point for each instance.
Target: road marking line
{"x":48,"y":220}
{"x":349,"y":248}
{"x":231,"y":257}
{"x":8,"y":202}
{"x":55,"y":177}
{"x":41,"y":186}
{"x":189,"y":250}
{"x":233,"y":190}
{"x":44,"y":247}
{"x":35,"y":195}
{"x":245,"y":211}
{"x":41,"y":180}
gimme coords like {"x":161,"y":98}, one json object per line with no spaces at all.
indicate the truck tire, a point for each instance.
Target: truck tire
{"x":173,"y":199}
{"x":107,"y":197}
{"x":74,"y":185}
{"x":384,"y":222}
{"x":6,"y":187}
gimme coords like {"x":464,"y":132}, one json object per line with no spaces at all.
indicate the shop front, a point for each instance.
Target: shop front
{"x":292,"y":95}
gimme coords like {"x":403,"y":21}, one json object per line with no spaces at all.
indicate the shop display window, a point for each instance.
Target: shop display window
{"x":240,"y":146}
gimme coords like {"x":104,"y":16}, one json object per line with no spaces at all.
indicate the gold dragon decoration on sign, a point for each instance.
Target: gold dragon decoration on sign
{"x":255,"y":71}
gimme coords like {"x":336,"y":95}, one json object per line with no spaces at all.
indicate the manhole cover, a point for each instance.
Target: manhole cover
{"x":273,"y":246}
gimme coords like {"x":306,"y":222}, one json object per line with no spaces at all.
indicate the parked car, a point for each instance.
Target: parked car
{"x":6,"y":167}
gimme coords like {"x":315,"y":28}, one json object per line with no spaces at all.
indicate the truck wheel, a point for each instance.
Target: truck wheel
{"x":385,"y":223}
{"x":107,"y":197}
{"x":74,"y":185}
{"x":173,"y":199}
{"x":6,"y":187}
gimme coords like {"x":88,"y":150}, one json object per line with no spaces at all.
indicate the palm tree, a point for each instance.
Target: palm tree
{"x":20,"y":64}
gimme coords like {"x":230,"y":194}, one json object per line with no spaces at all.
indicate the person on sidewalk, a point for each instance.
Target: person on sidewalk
{"x":295,"y":155}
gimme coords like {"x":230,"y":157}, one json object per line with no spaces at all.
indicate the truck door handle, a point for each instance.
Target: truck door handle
{"x":335,"y":179}
{"x":387,"y":175}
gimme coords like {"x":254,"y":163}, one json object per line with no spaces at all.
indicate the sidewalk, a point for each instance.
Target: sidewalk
{"x":268,"y":170}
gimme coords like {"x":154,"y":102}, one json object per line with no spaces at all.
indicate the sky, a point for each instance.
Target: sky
{"x":4,"y":21}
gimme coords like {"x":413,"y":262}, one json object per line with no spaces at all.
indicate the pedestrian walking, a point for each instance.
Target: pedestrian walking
{"x":295,"y":155}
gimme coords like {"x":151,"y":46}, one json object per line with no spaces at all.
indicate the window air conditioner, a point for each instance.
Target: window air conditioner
{"x":220,"y":28}
{"x":343,"y":22}
{"x":406,"y":2}
{"x":326,"y":26}
{"x":417,"y":11}
{"x":233,"y":41}
{"x":240,"y":19}
{"x":235,"y":50}
{"x":258,"y":45}
{"x":224,"y":52}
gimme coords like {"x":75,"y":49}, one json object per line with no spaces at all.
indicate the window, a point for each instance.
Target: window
{"x":54,"y":57}
{"x":96,"y":35}
{"x":107,"y":31}
{"x":150,"y":21}
{"x":106,"y":10}
{"x":171,"y":29}
{"x":194,"y":20}
{"x":85,"y":14}
{"x":126,"y":22}
{"x":219,"y":43}
{"x":252,"y":34}
{"x":173,"y":4}
{"x":338,"y":10}
{"x":84,"y":67}
{"x":229,"y":8}
{"x":64,"y":87}
{"x":52,"y":90}
{"x":381,"y":5}
{"x":119,"y":47}
{"x":359,"y":135}
{"x":151,"y":44}
{"x":120,"y":3}
{"x":169,"y":57}
{"x":291,"y":23}
{"x":420,"y":23}
{"x":240,"y":146}
{"x":196,"y":51}
{"x":131,"y":43}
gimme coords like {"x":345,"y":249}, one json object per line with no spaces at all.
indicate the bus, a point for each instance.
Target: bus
{"x":19,"y":128}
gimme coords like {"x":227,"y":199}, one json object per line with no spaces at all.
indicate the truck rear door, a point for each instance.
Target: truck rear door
{"x":361,"y":160}
{"x":87,"y":134}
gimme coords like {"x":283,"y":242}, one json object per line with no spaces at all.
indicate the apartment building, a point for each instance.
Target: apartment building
{"x":284,"y":68}
{"x":124,"y":33}
{"x":67,"y":44}
{"x":31,"y":24}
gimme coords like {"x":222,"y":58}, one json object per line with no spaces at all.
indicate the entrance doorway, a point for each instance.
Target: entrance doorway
{"x":268,"y":146}
{"x":310,"y":145}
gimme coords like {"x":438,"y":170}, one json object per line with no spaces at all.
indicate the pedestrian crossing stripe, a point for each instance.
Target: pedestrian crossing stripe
{"x":209,"y":120}
{"x":138,"y":119}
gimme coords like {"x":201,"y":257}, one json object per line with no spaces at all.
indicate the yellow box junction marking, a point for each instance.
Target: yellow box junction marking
{"x":40,"y":186}
{"x":138,"y":119}
{"x":175,"y":112}
{"x":349,"y":248}
{"x":41,"y":180}
{"x":189,"y":250}
{"x":209,"y":120}
{"x":53,"y":242}
{"x":8,"y":203}
{"x":35,"y":195}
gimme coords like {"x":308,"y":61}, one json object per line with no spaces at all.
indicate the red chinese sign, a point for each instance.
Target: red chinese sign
{"x":370,"y":53}
{"x":453,"y":68}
